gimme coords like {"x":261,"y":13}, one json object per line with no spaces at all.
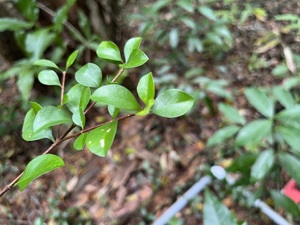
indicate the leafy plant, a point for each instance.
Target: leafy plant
{"x":88,"y":90}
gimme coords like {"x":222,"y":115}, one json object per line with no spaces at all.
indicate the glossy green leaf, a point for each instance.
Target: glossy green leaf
{"x":89,"y":75}
{"x":27,"y":130}
{"x":109,"y":51}
{"x":263,"y":164}
{"x":207,"y":12}
{"x":49,"y":77}
{"x":131,"y":44}
{"x":289,"y":114}
{"x":260,"y":101}
{"x":117,"y":96}
{"x":38,"y":166}
{"x":231,"y":114}
{"x":172,"y":103}
{"x":282,"y":201}
{"x":186,"y":5}
{"x":13,"y":24}
{"x":284,"y":97}
{"x":291,"y":136}
{"x":50,"y":116}
{"x":146,"y":88}
{"x":100,"y":139}
{"x":46,"y":63}
{"x":29,"y":9}
{"x":79,"y":118}
{"x":215,"y":212}
{"x":113,"y":111}
{"x":291,"y":164}
{"x":136,"y":58}
{"x":80,"y":141}
{"x":71,"y":59}
{"x":222,"y":134}
{"x":253,"y":132}
{"x":79,"y":96}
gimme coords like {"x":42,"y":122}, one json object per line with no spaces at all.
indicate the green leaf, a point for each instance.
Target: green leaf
{"x":89,"y":75}
{"x":291,"y":136}
{"x":282,"y":201}
{"x":71,"y":59}
{"x":174,"y":37}
{"x":146,"y":88}
{"x":29,"y":9}
{"x":131,"y":44}
{"x":117,"y":96}
{"x":291,"y":164}
{"x":79,"y":97}
{"x":38,"y":166}
{"x":284,"y":97}
{"x":172,"y":103}
{"x":263,"y":164}
{"x":289,"y":114}
{"x":207,"y":12}
{"x":231,"y":114}
{"x":27,"y":130}
{"x":46,"y":63}
{"x":35,"y":106}
{"x":253,"y":132}
{"x":222,"y":134}
{"x":25,"y":83}
{"x":13,"y":24}
{"x":242,"y":163}
{"x":80,"y":141}
{"x":260,"y":101}
{"x":214,"y":212}
{"x":109,"y":51}
{"x":136,"y":58}
{"x":49,"y":77}
{"x":50,"y":116}
{"x":280,"y":71}
{"x":186,"y":5}
{"x":100,"y":139}
{"x":62,"y":15}
{"x":79,"y":118}
{"x":113,"y":111}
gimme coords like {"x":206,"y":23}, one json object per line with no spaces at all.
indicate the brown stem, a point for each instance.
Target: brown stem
{"x":118,"y":74}
{"x":62,"y":88}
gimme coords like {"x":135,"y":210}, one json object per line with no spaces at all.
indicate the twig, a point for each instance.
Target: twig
{"x":62,"y":88}
{"x":118,"y":74}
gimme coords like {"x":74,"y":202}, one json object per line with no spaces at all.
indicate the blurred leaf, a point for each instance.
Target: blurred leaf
{"x":286,"y":17}
{"x":25,"y":83}
{"x":291,"y":164}
{"x":100,"y":139}
{"x":263,"y":164}
{"x":291,"y":136}
{"x":38,"y":166}
{"x":286,"y":203}
{"x":186,"y":5}
{"x":289,"y":114}
{"x":62,"y":15}
{"x":242,"y":163}
{"x":284,"y":97}
{"x":109,"y":51}
{"x":290,"y":82}
{"x":116,"y":95}
{"x":49,"y":116}
{"x":146,"y":88}
{"x":290,"y":63}
{"x":29,"y":9}
{"x":156,"y":6}
{"x":174,"y":37}
{"x":231,"y":114}
{"x":80,"y":141}
{"x":46,"y":63}
{"x":260,"y":101}
{"x":172,"y":103}
{"x":71,"y":59}
{"x":13,"y":24}
{"x":49,"y":77}
{"x":131,"y":44}
{"x":280,"y":71}
{"x":189,"y":22}
{"x":79,"y":118}
{"x":207,"y":12}
{"x":89,"y":75}
{"x":195,"y":44}
{"x":222,"y":134}
{"x":253,"y":132}
{"x":260,"y":13}
{"x":136,"y":58}
{"x":214,"y":212}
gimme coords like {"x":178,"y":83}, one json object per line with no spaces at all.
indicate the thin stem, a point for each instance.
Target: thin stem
{"x":118,"y":74}
{"x":63,"y":88}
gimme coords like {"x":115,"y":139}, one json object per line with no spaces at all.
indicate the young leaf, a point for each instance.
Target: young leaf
{"x":214,"y":212}
{"x":79,"y":118}
{"x":49,"y":77}
{"x":291,"y":136}
{"x":284,"y":97}
{"x":263,"y":164}
{"x":49,"y":116}
{"x":231,"y":114}
{"x":38,"y":166}
{"x":100,"y":139}
{"x":131,"y":44}
{"x":146,"y":88}
{"x":89,"y":75}
{"x":79,"y":96}
{"x":109,"y":51}
{"x":13,"y":24}
{"x":260,"y":101}
{"x":286,"y":203}
{"x":80,"y":141}
{"x":71,"y":59}
{"x":291,"y":164}
{"x":136,"y":58}
{"x":253,"y":132}
{"x":172,"y":103}
{"x":117,"y":96}
{"x":222,"y":134}
{"x":46,"y":63}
